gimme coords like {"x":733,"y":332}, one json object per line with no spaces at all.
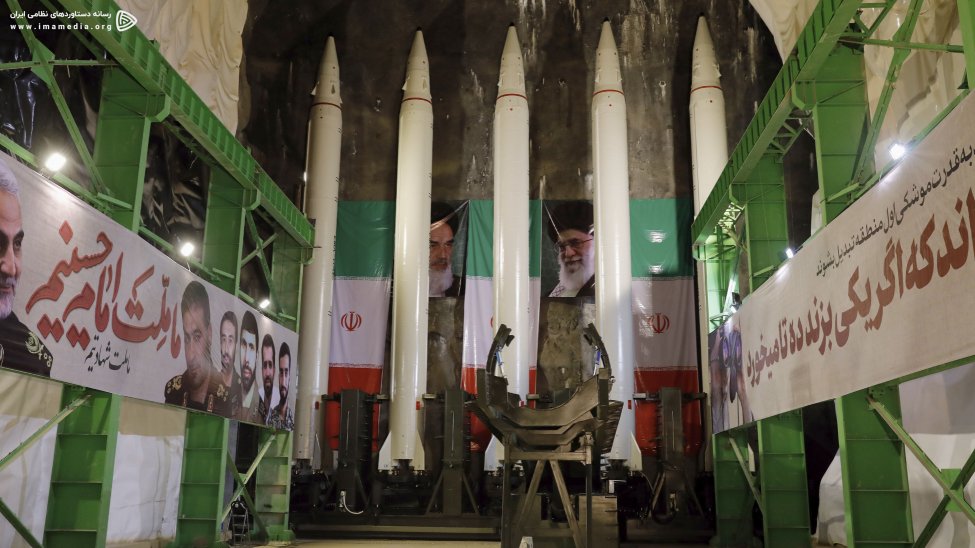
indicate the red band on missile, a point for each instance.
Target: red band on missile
{"x":608,"y":91}
{"x":327,"y":103}
{"x":706,"y":87}
{"x":511,"y":95}
{"x":405,"y":99}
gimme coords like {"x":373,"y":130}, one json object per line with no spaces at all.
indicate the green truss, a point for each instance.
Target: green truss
{"x":140,"y":88}
{"x":820,"y":88}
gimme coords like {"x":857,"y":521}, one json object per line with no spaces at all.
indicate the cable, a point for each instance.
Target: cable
{"x":345,"y":508}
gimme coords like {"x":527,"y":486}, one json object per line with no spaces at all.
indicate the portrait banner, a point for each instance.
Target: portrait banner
{"x":87,"y":302}
{"x":883,"y":291}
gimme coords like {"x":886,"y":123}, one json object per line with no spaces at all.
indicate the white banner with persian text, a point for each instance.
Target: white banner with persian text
{"x":886,"y":289}
{"x":85,"y":301}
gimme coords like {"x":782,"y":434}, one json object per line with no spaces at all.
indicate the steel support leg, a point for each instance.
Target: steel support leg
{"x":733,"y":494}
{"x":202,"y":484}
{"x":875,"y":488}
{"x":273,"y":495}
{"x":84,"y":466}
{"x":782,"y":470}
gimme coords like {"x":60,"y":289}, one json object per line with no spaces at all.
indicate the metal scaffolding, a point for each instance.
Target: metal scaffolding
{"x":140,"y":88}
{"x":821,"y":82}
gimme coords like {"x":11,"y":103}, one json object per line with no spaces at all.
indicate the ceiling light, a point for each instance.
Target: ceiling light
{"x":897,"y":151}
{"x":789,"y":253}
{"x":187,"y":249}
{"x":264,"y":303}
{"x":55,"y":162}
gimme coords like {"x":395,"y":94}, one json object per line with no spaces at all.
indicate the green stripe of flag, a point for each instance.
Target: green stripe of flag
{"x":535,"y":239}
{"x":480,"y":234}
{"x":480,"y":238}
{"x":660,"y":238}
{"x":364,"y":239}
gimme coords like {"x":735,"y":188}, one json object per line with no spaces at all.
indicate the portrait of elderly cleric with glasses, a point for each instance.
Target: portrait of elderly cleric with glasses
{"x":444,"y":222}
{"x":570,"y":228}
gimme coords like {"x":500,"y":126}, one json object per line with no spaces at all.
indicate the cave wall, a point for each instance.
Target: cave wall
{"x":283,"y":44}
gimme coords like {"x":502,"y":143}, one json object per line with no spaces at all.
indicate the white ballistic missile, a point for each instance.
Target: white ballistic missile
{"x":511,"y":276}
{"x":411,"y":265}
{"x":511,"y":220}
{"x":709,"y":154}
{"x":322,"y":169}
{"x":709,"y":140}
{"x":611,"y":207}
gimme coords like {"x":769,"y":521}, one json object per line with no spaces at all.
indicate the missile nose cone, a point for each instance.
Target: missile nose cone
{"x":704,"y":66}
{"x":327,"y":89}
{"x":417,"y":70}
{"x":512,"y":77}
{"x":608,"y":75}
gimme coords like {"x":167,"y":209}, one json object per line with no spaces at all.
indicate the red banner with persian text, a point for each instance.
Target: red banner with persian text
{"x":85,"y":301}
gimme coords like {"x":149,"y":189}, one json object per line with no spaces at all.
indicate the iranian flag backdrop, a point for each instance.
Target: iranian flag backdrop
{"x":360,"y":306}
{"x":663,"y":314}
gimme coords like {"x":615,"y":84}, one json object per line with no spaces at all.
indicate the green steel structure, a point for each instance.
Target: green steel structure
{"x":821,"y":87}
{"x":140,"y":88}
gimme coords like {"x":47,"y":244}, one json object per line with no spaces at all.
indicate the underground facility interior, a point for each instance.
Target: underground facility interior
{"x":640,"y":215}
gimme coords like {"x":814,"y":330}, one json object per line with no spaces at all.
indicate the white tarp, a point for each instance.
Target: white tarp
{"x":27,"y":404}
{"x":148,"y":469}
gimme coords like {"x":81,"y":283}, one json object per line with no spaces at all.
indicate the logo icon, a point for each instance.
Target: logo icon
{"x":124,"y":20}
{"x":351,"y":321}
{"x":658,"y":322}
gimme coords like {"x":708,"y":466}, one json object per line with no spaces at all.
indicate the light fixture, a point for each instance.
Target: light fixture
{"x":187,"y":249}
{"x":264,"y":303}
{"x":55,"y":162}
{"x":789,"y":253}
{"x":897,"y":151}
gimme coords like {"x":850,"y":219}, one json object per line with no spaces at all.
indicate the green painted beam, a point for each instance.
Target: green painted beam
{"x":242,"y":480}
{"x":826,"y":25}
{"x":841,"y":118}
{"x":766,"y":227}
{"x":199,"y":518}
{"x":782,"y":473}
{"x":874,"y":468}
{"x":959,"y":483}
{"x":39,"y":433}
{"x":18,"y":525}
{"x":732,"y":492}
{"x":83,"y":471}
{"x":966,"y":22}
{"x":143,"y":61}
{"x":273,"y":495}
{"x":223,"y":235}
{"x":903,"y":34}
{"x":122,"y":142}
{"x":939,"y":476}
{"x":286,"y":280}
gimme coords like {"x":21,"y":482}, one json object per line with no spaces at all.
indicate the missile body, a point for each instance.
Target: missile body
{"x":709,"y":154}
{"x":611,"y":206}
{"x":322,"y":168}
{"x":411,"y":264}
{"x":511,"y":225}
{"x":511,"y":275}
{"x":709,"y":141}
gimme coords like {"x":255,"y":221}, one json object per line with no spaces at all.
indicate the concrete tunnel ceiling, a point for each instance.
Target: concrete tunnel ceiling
{"x":283,"y":44}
